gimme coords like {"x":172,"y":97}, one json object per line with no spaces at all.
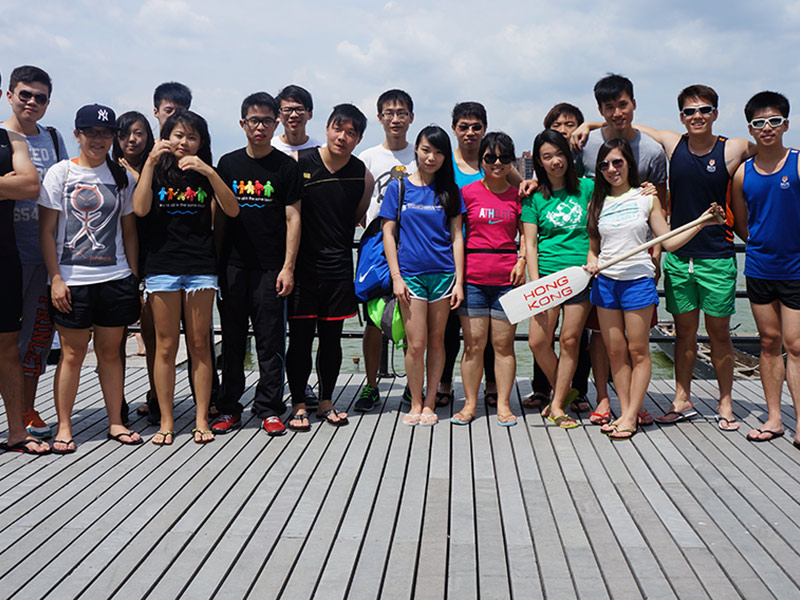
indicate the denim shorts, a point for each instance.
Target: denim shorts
{"x":176,"y":283}
{"x":624,"y":295}
{"x":483,"y":301}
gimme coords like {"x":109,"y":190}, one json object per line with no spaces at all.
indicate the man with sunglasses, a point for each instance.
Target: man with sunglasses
{"x":28,"y":94}
{"x":766,"y":208}
{"x":295,"y":107}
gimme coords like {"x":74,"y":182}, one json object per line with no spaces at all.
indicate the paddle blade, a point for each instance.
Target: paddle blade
{"x":537,"y":296}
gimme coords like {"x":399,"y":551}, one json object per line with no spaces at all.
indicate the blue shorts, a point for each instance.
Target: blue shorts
{"x":627,"y":295}
{"x":176,"y":283}
{"x":484,"y":301}
{"x":431,"y":287}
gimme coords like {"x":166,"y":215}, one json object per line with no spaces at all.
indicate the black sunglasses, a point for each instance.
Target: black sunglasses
{"x":504,"y":159}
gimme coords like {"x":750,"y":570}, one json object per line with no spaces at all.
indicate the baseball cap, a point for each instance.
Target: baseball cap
{"x":95,"y":115}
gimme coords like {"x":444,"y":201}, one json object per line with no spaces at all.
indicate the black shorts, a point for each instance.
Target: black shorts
{"x":333,"y":300}
{"x":11,"y":297}
{"x":767,"y":291}
{"x":109,"y":304}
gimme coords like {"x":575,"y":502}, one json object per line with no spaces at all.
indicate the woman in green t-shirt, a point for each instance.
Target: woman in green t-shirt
{"x":554,"y":222}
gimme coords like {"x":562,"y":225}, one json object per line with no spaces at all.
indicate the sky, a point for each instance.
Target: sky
{"x":517,"y":58}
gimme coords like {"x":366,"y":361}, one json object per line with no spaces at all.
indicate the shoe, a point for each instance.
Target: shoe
{"x":274,"y":426}
{"x":310,"y":398}
{"x":35,"y":425}
{"x":153,"y":410}
{"x":124,"y":410}
{"x":225,"y":423}
{"x":303,"y":417}
{"x":368,"y":399}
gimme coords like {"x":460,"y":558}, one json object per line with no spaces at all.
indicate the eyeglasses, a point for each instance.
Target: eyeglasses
{"x":391,"y":114}
{"x":773,"y":122}
{"x":25,"y":96}
{"x":254,"y":122}
{"x":101,"y":132}
{"x":504,"y":159}
{"x":703,"y":110}
{"x":617,"y":163}
{"x":287,"y":110}
{"x":467,"y":126}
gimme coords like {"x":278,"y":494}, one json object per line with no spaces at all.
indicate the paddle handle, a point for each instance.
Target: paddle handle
{"x":659,"y":239}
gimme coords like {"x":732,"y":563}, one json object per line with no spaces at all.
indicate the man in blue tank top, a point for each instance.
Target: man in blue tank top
{"x":700,"y":276}
{"x":766,"y":207}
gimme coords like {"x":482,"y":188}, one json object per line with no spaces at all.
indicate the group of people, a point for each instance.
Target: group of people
{"x":138,"y":228}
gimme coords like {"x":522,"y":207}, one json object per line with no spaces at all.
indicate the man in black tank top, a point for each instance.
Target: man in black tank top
{"x":337,"y":188}
{"x":18,"y":181}
{"x":701,"y":276}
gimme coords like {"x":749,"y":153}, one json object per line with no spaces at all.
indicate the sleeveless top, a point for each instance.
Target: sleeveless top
{"x":694,"y":183}
{"x":773,"y":221}
{"x":8,"y":243}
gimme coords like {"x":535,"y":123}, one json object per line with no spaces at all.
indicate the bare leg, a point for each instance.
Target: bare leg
{"x":505,"y":366}
{"x":612,"y":325}
{"x":685,"y":357}
{"x":74,"y":343}
{"x":637,"y":330}
{"x":11,"y":389}
{"x":540,"y":341}
{"x":434,"y":362}
{"x":197,"y":308}
{"x":790,"y":327}
{"x":719,"y":332}
{"x":166,"y":310}
{"x":768,"y":322}
{"x":111,"y":373}
{"x":569,"y":346}
{"x":415,"y":319}
{"x":600,"y":367}
{"x":475,"y":331}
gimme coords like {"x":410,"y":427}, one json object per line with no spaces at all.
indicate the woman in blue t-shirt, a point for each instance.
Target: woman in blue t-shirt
{"x":427,"y":264}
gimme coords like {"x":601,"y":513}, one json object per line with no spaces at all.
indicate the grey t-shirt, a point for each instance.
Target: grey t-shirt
{"x":651,"y":159}
{"x":26,"y":212}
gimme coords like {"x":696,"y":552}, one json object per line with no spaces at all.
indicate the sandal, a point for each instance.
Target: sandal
{"x":597,"y":418}
{"x":626,"y":434}
{"x":444,"y":398}
{"x":535,"y":400}
{"x":507,"y":420}
{"x":411,"y":420}
{"x":461,"y":418}
{"x":70,"y":447}
{"x":564,"y":421}
{"x":164,"y":435}
{"x":340,"y":421}
{"x":303,"y":418}
{"x":202,"y":433}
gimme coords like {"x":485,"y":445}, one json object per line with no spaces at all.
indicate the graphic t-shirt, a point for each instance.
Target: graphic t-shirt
{"x":8,"y":246}
{"x":624,"y":223}
{"x":330,"y":203}
{"x":561,"y":221}
{"x":88,"y":231}
{"x":424,"y":246}
{"x":264,"y":187}
{"x":382,"y":162}
{"x":278,"y":143}
{"x":26,"y":213}
{"x":491,"y":230}
{"x":179,"y":228}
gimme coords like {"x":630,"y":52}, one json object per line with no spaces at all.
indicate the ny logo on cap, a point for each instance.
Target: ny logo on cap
{"x":102,"y":114}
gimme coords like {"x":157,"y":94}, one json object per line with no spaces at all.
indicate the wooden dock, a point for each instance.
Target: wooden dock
{"x":381,"y":510}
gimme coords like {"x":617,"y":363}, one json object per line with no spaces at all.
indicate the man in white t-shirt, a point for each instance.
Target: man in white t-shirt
{"x":295,"y":110}
{"x":395,"y":113}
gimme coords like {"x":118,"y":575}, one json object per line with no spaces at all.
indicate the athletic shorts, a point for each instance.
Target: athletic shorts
{"x":11,"y":298}
{"x":109,"y":304}
{"x":36,"y":335}
{"x":705,"y":283}
{"x":484,"y":301}
{"x":766,"y":291}
{"x":431,"y":287}
{"x":326,"y":300}
{"x":176,"y":283}
{"x":626,"y":295}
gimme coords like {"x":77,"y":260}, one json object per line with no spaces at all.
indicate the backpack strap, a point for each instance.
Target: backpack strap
{"x":54,"y":136}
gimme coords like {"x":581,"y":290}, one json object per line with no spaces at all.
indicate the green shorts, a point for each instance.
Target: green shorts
{"x":431,"y":287}
{"x":705,"y":283}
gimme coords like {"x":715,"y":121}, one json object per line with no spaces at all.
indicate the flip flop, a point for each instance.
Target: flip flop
{"x":730,"y":424}
{"x":326,"y":416}
{"x":444,"y":398}
{"x":411,"y":420}
{"x":163,"y":435}
{"x":682,"y":416}
{"x":645,"y":418}
{"x":535,"y":400}
{"x":203,"y":433}
{"x":560,"y":421}
{"x":510,"y":423}
{"x":597,"y":418}
{"x":22,"y":446}
{"x":627,"y":434}
{"x":128,"y":434}
{"x":772,"y":435}
{"x":68,"y":450}
{"x":428,"y":420}
{"x":306,"y":426}
{"x":796,"y":444}
{"x":456,"y":421}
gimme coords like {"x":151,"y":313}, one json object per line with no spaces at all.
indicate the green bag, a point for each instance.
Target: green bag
{"x":384,"y":312}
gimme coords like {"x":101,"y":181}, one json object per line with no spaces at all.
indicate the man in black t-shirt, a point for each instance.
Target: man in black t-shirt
{"x":257,"y":261}
{"x":337,"y":188}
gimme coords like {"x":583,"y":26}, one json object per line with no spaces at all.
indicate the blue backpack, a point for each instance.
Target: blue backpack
{"x":373,"y":277}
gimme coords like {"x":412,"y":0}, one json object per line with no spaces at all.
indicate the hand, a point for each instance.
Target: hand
{"x":648,"y":189}
{"x":517,"y":276}
{"x":657,"y":265}
{"x":60,"y":296}
{"x":718,"y":212}
{"x":579,"y":137}
{"x":527,"y":187}
{"x":285,"y":282}
{"x":400,"y":290}
{"x":591,"y":268}
{"x":193,"y":163}
{"x":160,"y":147}
{"x":457,"y":297}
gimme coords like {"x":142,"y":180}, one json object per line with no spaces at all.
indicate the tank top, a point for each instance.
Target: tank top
{"x":694,"y":183}
{"x":773,"y":221}
{"x":8,"y":243}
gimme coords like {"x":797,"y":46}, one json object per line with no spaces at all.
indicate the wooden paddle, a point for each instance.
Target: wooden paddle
{"x":546,"y":292}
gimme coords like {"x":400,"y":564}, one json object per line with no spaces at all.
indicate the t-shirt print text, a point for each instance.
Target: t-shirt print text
{"x":255,"y":192}
{"x":182,"y":202}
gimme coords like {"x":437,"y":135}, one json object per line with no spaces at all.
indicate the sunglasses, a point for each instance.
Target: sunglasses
{"x":25,"y":96}
{"x":773,"y":122}
{"x":504,"y":159}
{"x":617,"y":163}
{"x":476,"y":127}
{"x":703,"y":110}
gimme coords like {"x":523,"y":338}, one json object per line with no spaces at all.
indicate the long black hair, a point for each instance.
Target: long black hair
{"x":571,"y":184}
{"x":124,"y":122}
{"x":444,"y":180}
{"x":167,"y":172}
{"x":601,"y":186}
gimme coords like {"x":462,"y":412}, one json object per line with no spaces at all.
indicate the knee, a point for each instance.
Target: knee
{"x":199,"y":346}
{"x":167,"y":348}
{"x":639,"y":353}
{"x":570,"y":345}
{"x":416,"y":348}
{"x":474,"y":349}
{"x":793,"y":349}
{"x":770,"y":343}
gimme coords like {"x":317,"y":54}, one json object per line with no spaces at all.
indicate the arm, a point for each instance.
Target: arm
{"x":143,"y":194}
{"x":517,"y":276}
{"x":399,"y":287}
{"x":659,"y":226}
{"x":532,"y":249}
{"x":578,"y":137}
{"x":457,"y":236}
{"x":285,"y":281}
{"x":737,"y":150}
{"x":59,"y":292}
{"x":23,"y":182}
{"x":738,"y":204}
{"x":363,"y":205}
{"x":667,"y":139}
{"x":130,"y":241}
{"x":593,"y":256}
